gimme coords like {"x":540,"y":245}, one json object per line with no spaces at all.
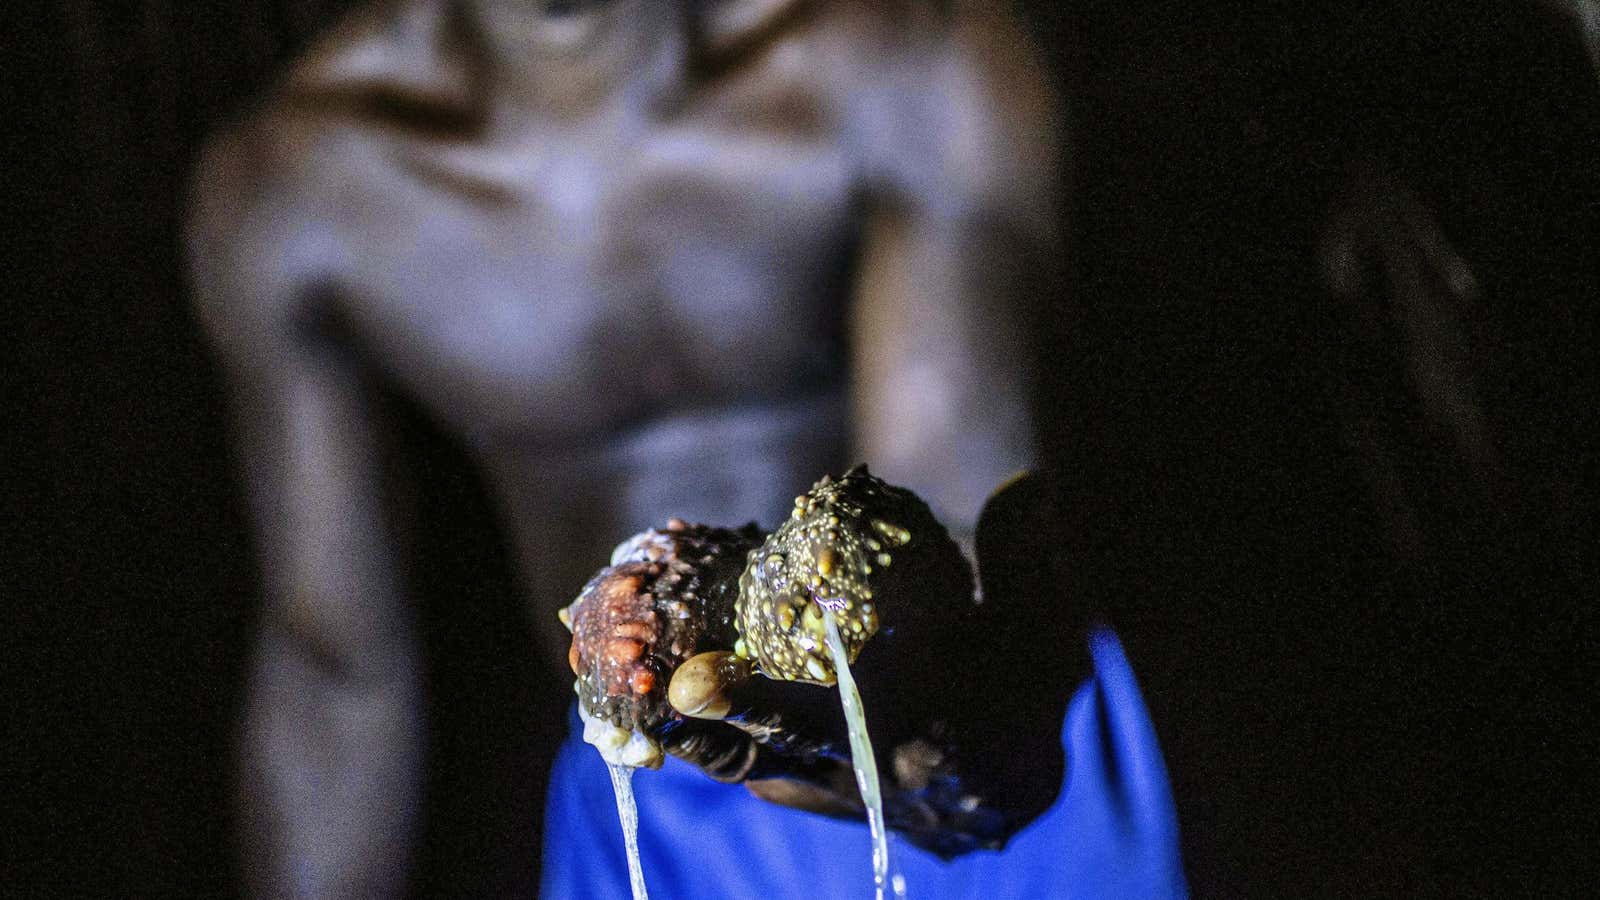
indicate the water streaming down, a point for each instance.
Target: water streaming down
{"x":628,"y":813}
{"x":683,"y":580}
{"x":866,"y":764}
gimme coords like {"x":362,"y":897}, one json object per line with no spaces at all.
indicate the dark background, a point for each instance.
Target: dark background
{"x":1336,"y":720}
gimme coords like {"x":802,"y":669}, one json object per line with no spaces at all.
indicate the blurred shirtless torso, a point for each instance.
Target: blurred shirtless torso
{"x":648,"y":259}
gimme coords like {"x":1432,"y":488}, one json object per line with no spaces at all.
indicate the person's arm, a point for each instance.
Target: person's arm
{"x":960,"y":168}
{"x":333,"y":728}
{"x":961,"y":241}
{"x":965,"y":700}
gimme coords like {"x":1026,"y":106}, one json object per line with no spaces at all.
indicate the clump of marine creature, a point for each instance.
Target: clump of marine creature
{"x":855,"y":548}
{"x":798,"y":605}
{"x":666,"y":595}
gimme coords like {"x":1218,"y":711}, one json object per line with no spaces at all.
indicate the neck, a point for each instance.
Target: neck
{"x":570,"y":60}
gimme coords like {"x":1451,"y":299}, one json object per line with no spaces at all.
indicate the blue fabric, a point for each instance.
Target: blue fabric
{"x":1111,"y":833}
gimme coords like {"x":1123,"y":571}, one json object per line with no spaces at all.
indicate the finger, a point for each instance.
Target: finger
{"x":702,"y":686}
{"x":727,"y":753}
{"x":828,"y":793}
{"x":795,"y":719}
{"x":1437,"y":358}
{"x":1011,"y":529}
{"x":1447,"y":265}
{"x":723,"y":752}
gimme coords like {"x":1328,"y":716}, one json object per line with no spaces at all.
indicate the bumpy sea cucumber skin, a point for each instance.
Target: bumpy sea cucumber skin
{"x":864,"y":551}
{"x":667,"y":595}
{"x":851,"y":547}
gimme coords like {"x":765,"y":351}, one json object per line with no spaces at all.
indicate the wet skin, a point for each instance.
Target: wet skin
{"x":645,"y":262}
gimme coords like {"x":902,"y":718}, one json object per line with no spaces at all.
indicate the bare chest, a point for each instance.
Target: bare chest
{"x":559,"y":290}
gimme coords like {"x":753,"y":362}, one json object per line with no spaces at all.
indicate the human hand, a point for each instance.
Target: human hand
{"x":1412,"y":298}
{"x":1411,"y":332}
{"x":967,"y":728}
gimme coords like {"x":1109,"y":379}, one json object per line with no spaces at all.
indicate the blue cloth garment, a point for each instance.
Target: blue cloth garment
{"x":1112,"y":832}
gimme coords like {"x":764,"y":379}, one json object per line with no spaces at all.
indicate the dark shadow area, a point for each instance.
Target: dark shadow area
{"x":1340,"y":716}
{"x":484,"y":797}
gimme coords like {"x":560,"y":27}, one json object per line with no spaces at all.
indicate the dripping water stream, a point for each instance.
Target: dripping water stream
{"x":628,"y":813}
{"x":866,"y":764}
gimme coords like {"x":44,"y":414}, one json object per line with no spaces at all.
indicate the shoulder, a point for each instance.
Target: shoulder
{"x":386,"y":71}
{"x":246,"y":207}
{"x":271,"y":194}
{"x":958,"y":105}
